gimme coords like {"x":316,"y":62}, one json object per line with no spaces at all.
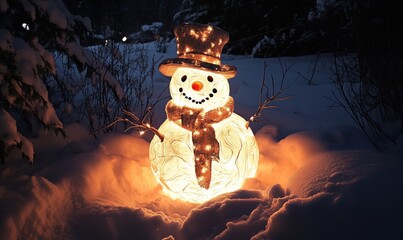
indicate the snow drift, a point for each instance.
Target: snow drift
{"x":330,"y":188}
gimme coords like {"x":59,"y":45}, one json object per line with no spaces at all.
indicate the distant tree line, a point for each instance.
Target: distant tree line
{"x":281,"y":27}
{"x":124,"y":17}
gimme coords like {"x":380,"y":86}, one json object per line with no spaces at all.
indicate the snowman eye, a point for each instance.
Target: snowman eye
{"x":184,"y":77}
{"x":210,"y":78}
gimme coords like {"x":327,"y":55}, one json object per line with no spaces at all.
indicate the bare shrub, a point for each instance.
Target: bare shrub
{"x":118,"y":77}
{"x":367,"y":102}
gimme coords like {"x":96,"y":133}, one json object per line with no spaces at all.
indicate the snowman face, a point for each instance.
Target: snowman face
{"x":199,"y":89}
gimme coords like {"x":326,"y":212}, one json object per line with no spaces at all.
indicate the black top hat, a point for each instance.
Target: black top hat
{"x":199,"y":46}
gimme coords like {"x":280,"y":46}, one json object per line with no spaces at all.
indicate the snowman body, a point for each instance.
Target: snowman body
{"x":173,"y":160}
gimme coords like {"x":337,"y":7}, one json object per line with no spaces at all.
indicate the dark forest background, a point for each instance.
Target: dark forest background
{"x":262,"y":27}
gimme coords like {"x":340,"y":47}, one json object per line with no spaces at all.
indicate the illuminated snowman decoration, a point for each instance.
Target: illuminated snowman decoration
{"x":207,"y":149}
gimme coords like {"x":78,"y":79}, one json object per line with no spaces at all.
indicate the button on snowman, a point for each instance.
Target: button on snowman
{"x":207,"y":149}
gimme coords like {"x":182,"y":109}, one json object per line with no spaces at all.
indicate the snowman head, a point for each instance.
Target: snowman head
{"x":199,"y":79}
{"x":197,"y":88}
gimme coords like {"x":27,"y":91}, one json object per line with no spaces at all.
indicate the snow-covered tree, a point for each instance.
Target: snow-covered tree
{"x":29,"y":31}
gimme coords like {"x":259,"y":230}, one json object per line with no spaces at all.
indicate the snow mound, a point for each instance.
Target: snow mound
{"x":321,"y":184}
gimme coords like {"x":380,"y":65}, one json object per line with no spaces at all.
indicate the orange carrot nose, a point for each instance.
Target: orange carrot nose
{"x":197,"y":85}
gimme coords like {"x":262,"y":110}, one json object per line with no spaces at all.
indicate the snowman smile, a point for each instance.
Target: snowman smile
{"x":196,"y":101}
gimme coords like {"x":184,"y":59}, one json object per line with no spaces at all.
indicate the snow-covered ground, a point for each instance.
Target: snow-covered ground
{"x":318,"y":176}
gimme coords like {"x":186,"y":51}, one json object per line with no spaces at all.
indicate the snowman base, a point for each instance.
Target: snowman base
{"x":173,"y":165}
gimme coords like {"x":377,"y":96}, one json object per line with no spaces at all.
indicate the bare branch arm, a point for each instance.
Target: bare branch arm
{"x":275,"y":96}
{"x":136,"y":123}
